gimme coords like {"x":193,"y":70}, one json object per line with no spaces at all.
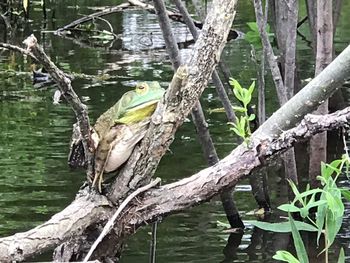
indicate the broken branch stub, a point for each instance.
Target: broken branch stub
{"x":64,"y":85}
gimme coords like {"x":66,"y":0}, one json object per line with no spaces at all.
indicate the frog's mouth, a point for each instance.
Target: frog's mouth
{"x":144,"y":105}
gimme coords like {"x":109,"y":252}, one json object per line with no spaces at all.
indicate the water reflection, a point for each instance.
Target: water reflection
{"x":35,"y":181}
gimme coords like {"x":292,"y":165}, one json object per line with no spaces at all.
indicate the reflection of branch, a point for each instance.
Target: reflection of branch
{"x":64,"y":84}
{"x":150,"y":8}
{"x":82,"y":44}
{"x":168,"y":199}
{"x":90,"y":17}
{"x":18,"y":49}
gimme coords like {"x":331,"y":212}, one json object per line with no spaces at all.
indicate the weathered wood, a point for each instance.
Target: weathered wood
{"x":18,"y":49}
{"x":287,"y":22}
{"x":88,"y":209}
{"x":324,"y":56}
{"x":64,"y":85}
{"x":171,"y":112}
{"x":310,"y":97}
{"x":71,"y":221}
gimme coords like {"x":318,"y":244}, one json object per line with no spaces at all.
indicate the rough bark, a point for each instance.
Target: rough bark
{"x":166,"y":119}
{"x":238,"y":163}
{"x":324,"y":52}
{"x":312,"y":18}
{"x":276,"y":74}
{"x":185,"y":89}
{"x":65,"y":87}
{"x":286,"y":16}
{"x":310,"y":97}
{"x":212,"y":158}
{"x":90,"y":209}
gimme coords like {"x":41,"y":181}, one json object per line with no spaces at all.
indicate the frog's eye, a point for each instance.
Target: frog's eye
{"x":142,"y":88}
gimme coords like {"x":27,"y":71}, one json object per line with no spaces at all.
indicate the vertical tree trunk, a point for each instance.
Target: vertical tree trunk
{"x":324,"y":51}
{"x":312,"y":18}
{"x":285,"y":21}
{"x":197,"y":114}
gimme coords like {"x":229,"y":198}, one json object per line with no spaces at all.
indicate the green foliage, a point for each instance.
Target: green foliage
{"x":253,"y":35}
{"x":329,"y":216}
{"x":242,"y":125}
{"x":283,"y":227}
{"x":285,"y":256}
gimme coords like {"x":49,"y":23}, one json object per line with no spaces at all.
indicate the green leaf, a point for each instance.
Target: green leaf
{"x":238,"y":95}
{"x":298,"y":242}
{"x":315,"y":204}
{"x":239,"y":109}
{"x":242,"y":122}
{"x":341,"y":258}
{"x":251,"y":88}
{"x":289,"y":208}
{"x":296,"y":192}
{"x":251,"y":117}
{"x":235,"y":84}
{"x":253,"y":38}
{"x":285,"y":256}
{"x":236,"y":131}
{"x":328,"y":169}
{"x":283,"y":227}
{"x":345,"y":193}
{"x":320,"y":218}
{"x":332,"y":228}
{"x":253,"y":26}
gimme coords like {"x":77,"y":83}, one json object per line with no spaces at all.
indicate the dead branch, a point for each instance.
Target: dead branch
{"x":18,"y":49}
{"x":90,"y":17}
{"x":64,"y":84}
{"x":89,"y":209}
{"x":150,"y":8}
{"x":185,"y":89}
{"x":276,"y":74}
{"x":112,"y":220}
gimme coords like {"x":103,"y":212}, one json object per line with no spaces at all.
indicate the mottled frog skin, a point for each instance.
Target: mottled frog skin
{"x":118,"y":130}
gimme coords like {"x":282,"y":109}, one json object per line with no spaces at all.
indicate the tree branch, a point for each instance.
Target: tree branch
{"x":64,"y":84}
{"x":172,"y":111}
{"x":90,"y":209}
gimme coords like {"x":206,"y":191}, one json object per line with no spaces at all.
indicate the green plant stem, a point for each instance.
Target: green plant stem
{"x":312,"y":221}
{"x":326,"y":240}
{"x":248,"y":122}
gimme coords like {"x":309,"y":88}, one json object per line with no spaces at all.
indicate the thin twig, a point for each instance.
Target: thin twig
{"x":18,"y":49}
{"x":302,"y":21}
{"x":276,"y":74}
{"x":90,"y":17}
{"x":111,"y":221}
{"x":64,"y":84}
{"x":107,"y":22}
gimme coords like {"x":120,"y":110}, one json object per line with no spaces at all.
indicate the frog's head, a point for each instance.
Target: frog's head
{"x":137,"y":104}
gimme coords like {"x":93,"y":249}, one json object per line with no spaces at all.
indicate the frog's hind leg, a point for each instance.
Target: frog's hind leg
{"x":99,"y":176}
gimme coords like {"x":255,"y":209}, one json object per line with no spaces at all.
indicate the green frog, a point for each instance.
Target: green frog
{"x":118,"y":130}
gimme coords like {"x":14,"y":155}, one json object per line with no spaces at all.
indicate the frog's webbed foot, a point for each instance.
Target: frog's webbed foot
{"x":97,"y":182}
{"x":100,"y":181}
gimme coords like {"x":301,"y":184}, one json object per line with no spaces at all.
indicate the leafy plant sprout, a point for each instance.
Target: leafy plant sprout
{"x":242,"y":125}
{"x":328,"y":218}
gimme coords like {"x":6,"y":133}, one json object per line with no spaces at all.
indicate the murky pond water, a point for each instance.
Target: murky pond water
{"x":35,"y":181}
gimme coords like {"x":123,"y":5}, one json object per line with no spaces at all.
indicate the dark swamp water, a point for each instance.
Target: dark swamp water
{"x":35,"y":181}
